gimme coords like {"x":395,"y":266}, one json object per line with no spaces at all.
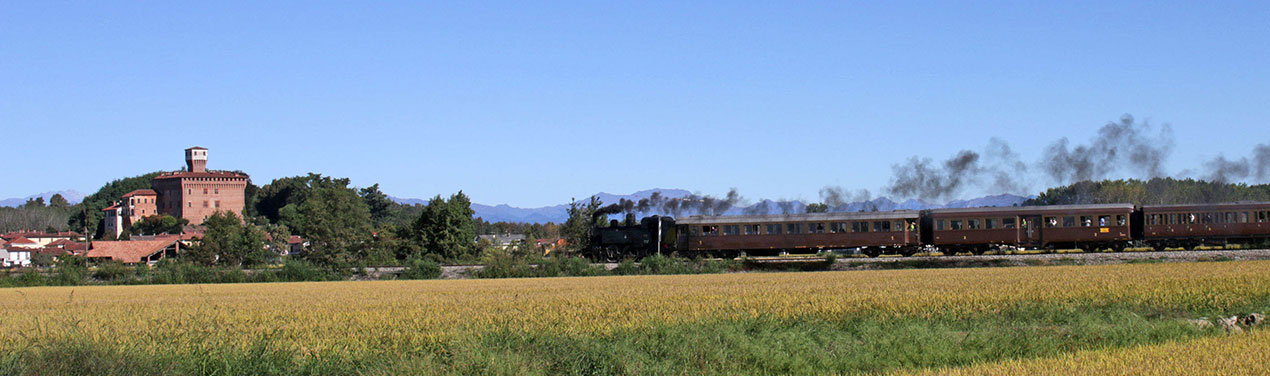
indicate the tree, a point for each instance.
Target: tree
{"x":378,"y":202}
{"x":33,"y":203}
{"x":229,"y":241}
{"x":159,"y":224}
{"x":817,"y":207}
{"x":337,"y":224}
{"x":577,"y":229}
{"x":59,"y":202}
{"x":446,"y":227}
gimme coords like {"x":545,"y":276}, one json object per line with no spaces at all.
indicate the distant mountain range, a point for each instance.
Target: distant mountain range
{"x":72,"y":196}
{"x":560,"y":213}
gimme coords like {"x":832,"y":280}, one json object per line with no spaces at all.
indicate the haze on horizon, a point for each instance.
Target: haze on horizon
{"x":531,"y":104}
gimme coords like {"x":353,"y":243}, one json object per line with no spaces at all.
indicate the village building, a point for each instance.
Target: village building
{"x":15,"y":256}
{"x":135,"y":251}
{"x":193,"y":194}
{"x":502,"y":240}
{"x":41,"y":238}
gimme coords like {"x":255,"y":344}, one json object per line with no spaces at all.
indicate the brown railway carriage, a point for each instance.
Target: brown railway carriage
{"x":871,"y":231}
{"x":980,"y":229}
{"x":1190,"y":225}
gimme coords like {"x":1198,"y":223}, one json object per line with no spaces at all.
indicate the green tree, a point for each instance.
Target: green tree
{"x":337,"y":224}
{"x":159,"y":224}
{"x":446,"y":228}
{"x":577,"y":229}
{"x":34,"y":203}
{"x":817,"y":207}
{"x":59,"y":202}
{"x":229,"y":241}
{"x":381,"y":208}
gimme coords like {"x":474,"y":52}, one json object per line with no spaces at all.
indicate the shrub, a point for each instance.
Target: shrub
{"x":421,"y":269}
{"x":113,"y":272}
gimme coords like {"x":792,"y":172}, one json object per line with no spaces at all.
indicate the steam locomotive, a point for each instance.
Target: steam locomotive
{"x":950,"y":231}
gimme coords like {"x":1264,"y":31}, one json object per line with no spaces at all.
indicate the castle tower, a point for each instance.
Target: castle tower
{"x":196,"y":159}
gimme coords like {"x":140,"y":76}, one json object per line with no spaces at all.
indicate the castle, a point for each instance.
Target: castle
{"x":193,"y":194}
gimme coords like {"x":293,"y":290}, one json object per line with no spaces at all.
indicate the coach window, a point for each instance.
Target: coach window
{"x":972,"y":224}
{"x":836,"y":227}
{"x":709,"y":230}
{"x":731,"y":230}
{"x":1104,"y":220}
{"x":1007,"y":222}
{"x":1261,"y":217}
{"x":990,"y":223}
{"x":794,"y":228}
{"x":816,"y":228}
{"x":1243,"y":217}
{"x":1069,"y":221}
{"x":882,"y":226}
{"x":939,"y":225}
{"x":751,"y":229}
{"x":897,"y":226}
{"x":1086,"y":220}
{"x":954,"y":224}
{"x":1206,"y":218}
{"x":1230,"y":217}
{"x":1051,"y":221}
{"x":773,"y":229}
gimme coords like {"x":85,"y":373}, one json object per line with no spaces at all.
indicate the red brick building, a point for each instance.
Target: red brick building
{"x":193,"y":194}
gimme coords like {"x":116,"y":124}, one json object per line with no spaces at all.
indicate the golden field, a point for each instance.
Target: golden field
{"x":350,"y":317}
{"x":1235,"y":354}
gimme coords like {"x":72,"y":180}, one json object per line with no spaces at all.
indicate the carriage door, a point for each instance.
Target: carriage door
{"x":1030,"y":230}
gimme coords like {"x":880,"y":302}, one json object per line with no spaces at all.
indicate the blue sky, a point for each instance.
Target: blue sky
{"x":531,"y":104}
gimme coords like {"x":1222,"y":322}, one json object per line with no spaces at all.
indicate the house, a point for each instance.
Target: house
{"x":16,"y":256}
{"x":23,"y":242}
{"x":504,"y":240}
{"x":43,"y":238}
{"x":135,"y":251}
{"x":70,"y":246}
{"x":295,"y":245}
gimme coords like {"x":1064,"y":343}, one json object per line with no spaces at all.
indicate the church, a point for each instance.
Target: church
{"x":194,"y":194}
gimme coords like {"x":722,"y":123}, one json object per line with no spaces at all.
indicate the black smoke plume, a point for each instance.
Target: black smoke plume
{"x":922,"y":178}
{"x":1222,"y":170}
{"x":1125,"y":143}
{"x":839,"y":199}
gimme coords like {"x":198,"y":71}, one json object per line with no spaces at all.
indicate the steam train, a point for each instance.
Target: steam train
{"x":950,"y":231}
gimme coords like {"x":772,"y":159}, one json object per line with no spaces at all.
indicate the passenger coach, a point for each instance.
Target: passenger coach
{"x":1191,"y":225}
{"x":871,"y":232}
{"x":1080,"y":226}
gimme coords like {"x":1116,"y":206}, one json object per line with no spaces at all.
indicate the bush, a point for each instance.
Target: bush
{"x":296,"y":271}
{"x":421,"y":269}
{"x":113,"y":272}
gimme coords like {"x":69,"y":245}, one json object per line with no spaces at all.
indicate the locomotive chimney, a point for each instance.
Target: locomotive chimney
{"x":630,"y":219}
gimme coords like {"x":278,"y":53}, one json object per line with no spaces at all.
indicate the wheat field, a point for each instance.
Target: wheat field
{"x":360,"y":321}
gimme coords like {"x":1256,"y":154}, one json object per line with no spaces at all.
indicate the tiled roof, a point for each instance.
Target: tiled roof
{"x":141,"y":192}
{"x":21,"y":240}
{"x":128,"y":251}
{"x":40,"y":234}
{"x":55,"y":251}
{"x":111,"y":207}
{"x":197,"y":148}
{"x":295,"y":240}
{"x":208,"y":174}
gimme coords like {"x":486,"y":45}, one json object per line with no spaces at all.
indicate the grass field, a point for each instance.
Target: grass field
{"x":751,"y":323}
